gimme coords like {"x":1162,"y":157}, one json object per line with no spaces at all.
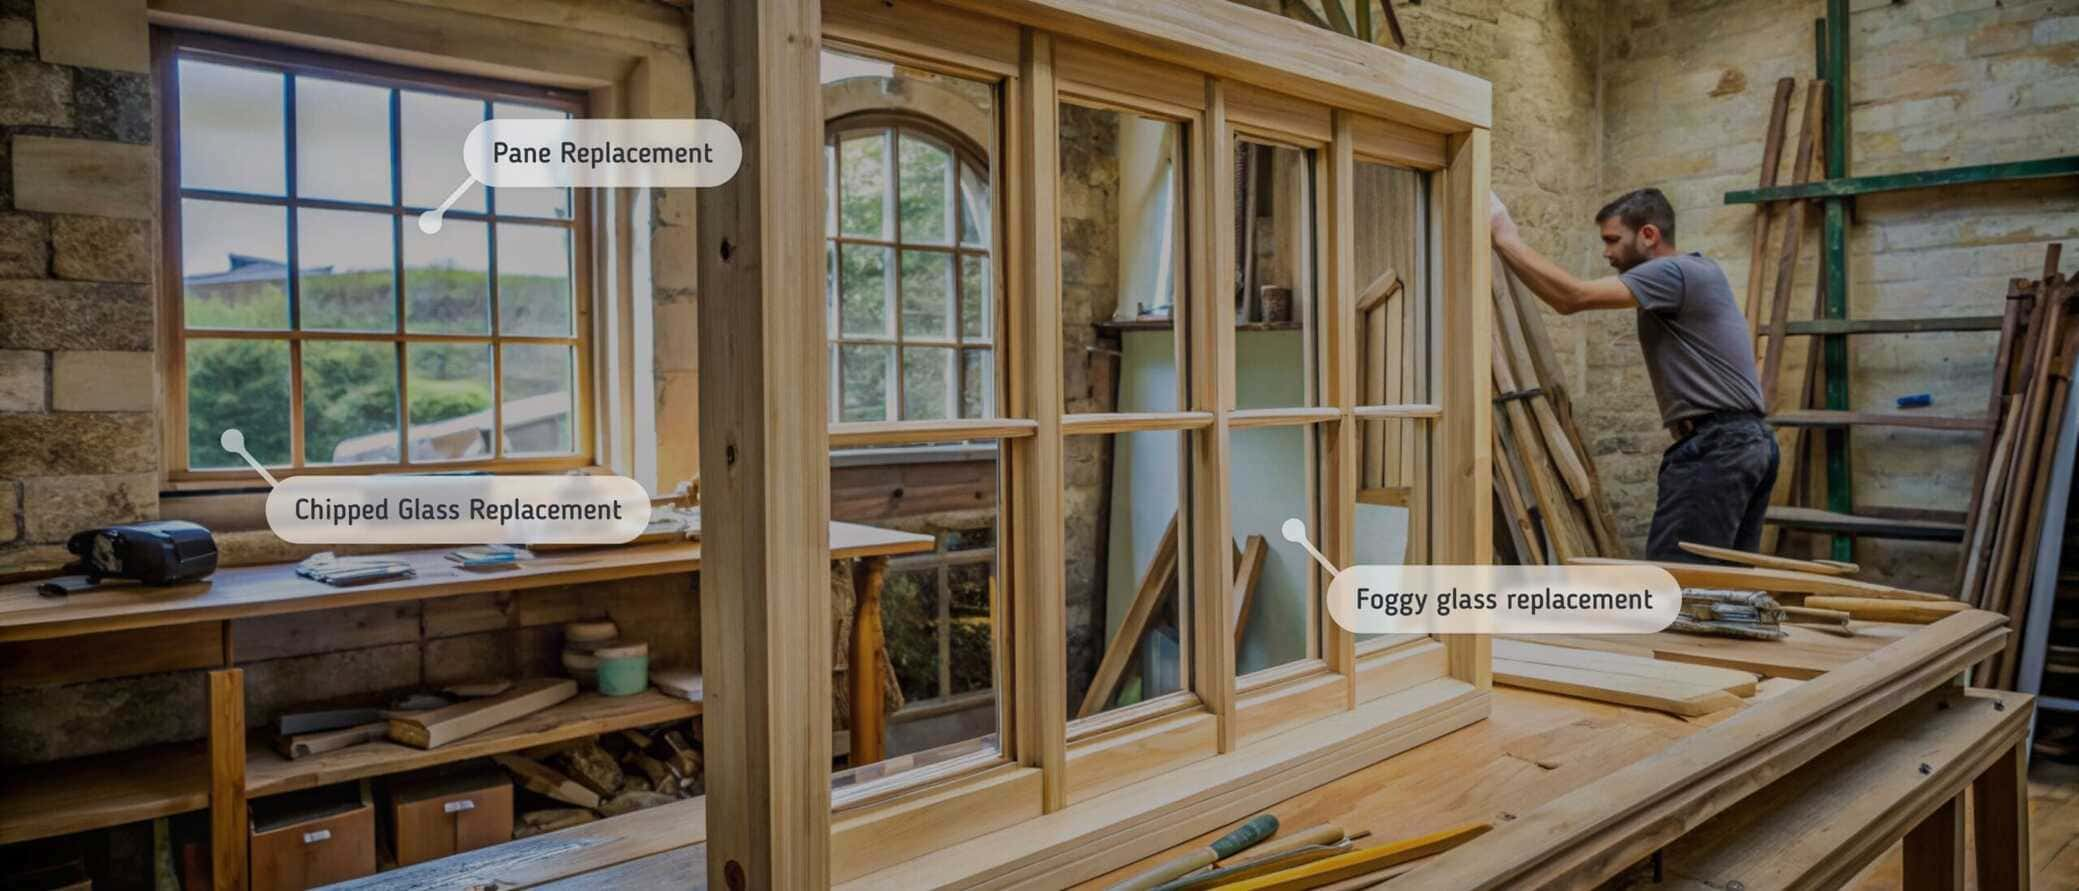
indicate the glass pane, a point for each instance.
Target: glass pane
{"x":863,"y":211}
{"x":348,"y":277}
{"x":1273,"y":352}
{"x":434,"y":128}
{"x":1123,"y":494}
{"x":529,"y":202}
{"x":829,"y":189}
{"x":242,"y":384}
{"x":974,"y":207}
{"x":830,"y":287}
{"x":973,"y":651}
{"x":1279,"y":624}
{"x":864,"y":279}
{"x":977,"y":384}
{"x":234,"y":265}
{"x":1386,"y":476}
{"x":909,"y":625}
{"x":927,"y":383}
{"x":231,"y":131}
{"x":927,"y":186}
{"x":447,"y":279}
{"x":927,"y":295}
{"x":342,"y":141}
{"x":975,"y":298}
{"x":1121,"y":260}
{"x":450,"y":387}
{"x":534,"y":280}
{"x":349,"y":402}
{"x":540,"y":407}
{"x":866,"y":371}
{"x":1392,"y":236}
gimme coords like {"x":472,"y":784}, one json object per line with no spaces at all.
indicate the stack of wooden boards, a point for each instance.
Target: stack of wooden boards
{"x":1673,"y":687}
{"x":1549,"y":495}
{"x":2032,"y":378}
{"x":1836,"y":596}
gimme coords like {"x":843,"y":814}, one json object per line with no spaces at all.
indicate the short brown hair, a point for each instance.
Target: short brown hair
{"x":1638,"y":207}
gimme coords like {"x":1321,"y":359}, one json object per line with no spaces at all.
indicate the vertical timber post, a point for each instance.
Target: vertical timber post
{"x":1463,"y":507}
{"x":764,"y":450}
{"x":1840,"y":496}
{"x":1210,"y":316}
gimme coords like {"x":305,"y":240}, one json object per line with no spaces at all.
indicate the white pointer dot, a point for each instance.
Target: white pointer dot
{"x":429,"y":222}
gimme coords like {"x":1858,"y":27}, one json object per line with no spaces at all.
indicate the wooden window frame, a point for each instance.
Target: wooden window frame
{"x":894,"y":125}
{"x":1186,"y":59}
{"x":170,"y":45}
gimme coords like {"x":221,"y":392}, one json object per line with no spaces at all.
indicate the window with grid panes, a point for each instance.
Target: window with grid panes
{"x":907,"y":256}
{"x":315,"y":315}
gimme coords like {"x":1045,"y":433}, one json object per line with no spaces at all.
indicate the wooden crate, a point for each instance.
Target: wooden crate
{"x":308,"y":839}
{"x":435,"y":815}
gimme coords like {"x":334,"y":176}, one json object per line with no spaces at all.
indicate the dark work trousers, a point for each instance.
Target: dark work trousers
{"x":1714,"y":487}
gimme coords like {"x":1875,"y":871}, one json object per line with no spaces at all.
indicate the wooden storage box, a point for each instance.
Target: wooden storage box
{"x":435,"y":815}
{"x":306,"y":839}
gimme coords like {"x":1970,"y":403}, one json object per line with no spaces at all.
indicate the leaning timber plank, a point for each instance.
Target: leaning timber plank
{"x":445,"y":725}
{"x":1827,"y":418}
{"x":1246,"y":571}
{"x":1523,"y":370}
{"x":1770,"y":561}
{"x":1733,"y":681}
{"x":1871,"y":610}
{"x":1816,"y":520}
{"x":1793,"y":239}
{"x":2018,"y":583}
{"x":1596,"y":831}
{"x":1161,"y":571}
{"x":1378,"y":292}
{"x":1820,"y":825}
{"x":1751,"y":578}
{"x":1771,"y":160}
{"x":1673,"y":697}
{"x":1991,"y":464}
{"x":1568,"y":539}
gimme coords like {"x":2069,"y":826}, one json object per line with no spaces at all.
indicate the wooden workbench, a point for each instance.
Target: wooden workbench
{"x":94,"y":792}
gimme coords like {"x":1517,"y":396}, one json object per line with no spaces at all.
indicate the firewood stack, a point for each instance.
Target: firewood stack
{"x":2032,"y":381}
{"x":1546,"y":489}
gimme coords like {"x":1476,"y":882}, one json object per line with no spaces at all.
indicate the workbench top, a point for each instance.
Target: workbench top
{"x":247,"y":591}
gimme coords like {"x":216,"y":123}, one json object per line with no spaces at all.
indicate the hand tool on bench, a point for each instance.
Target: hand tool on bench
{"x":1256,"y":829}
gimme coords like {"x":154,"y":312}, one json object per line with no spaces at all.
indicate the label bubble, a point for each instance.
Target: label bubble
{"x":436,"y":510}
{"x":1504,"y":599}
{"x":602,"y":153}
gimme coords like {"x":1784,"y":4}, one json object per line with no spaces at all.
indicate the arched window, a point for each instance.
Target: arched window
{"x":911,"y":321}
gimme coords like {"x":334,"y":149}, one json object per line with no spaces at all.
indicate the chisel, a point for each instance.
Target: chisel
{"x":1257,"y":829}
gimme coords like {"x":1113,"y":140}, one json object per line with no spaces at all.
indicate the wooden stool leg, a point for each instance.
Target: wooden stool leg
{"x":2000,"y":811}
{"x":1935,"y":850}
{"x":229,"y":829}
{"x":865,"y":669}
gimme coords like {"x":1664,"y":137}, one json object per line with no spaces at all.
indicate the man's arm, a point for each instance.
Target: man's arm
{"x":1554,"y":285}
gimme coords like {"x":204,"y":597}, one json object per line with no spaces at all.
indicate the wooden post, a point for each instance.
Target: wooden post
{"x":865,"y":671}
{"x":1935,"y":850}
{"x":1999,"y":812}
{"x":229,"y":829}
{"x":1462,"y":510}
{"x":1342,"y":323}
{"x":1033,"y":277}
{"x":1210,"y":317}
{"x":764,"y":450}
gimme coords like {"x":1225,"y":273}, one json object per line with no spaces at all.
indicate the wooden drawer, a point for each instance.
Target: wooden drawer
{"x":303,"y":841}
{"x":435,"y":816}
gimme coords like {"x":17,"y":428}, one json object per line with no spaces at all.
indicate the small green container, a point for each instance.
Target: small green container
{"x":623,"y":670}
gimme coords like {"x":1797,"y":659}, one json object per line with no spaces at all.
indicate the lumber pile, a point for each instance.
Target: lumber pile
{"x":1637,"y":681}
{"x":2032,"y":377}
{"x":1546,"y":488}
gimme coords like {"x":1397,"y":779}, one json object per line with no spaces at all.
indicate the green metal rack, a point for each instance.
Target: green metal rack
{"x":1833,"y":327}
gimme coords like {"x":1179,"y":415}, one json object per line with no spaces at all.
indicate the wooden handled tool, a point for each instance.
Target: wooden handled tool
{"x":1256,"y":866}
{"x":1361,"y":862}
{"x":1257,"y":829}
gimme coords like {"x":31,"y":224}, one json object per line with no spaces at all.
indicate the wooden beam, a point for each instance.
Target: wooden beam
{"x":1247,"y":570}
{"x":1269,"y":51}
{"x":764,"y":450}
{"x":1212,"y":392}
{"x":1340,"y":448}
{"x":1771,"y":160}
{"x":1033,"y":480}
{"x":1935,"y":850}
{"x":1769,"y":561}
{"x":1462,"y":511}
{"x":1160,"y":578}
{"x":1999,"y":812}
{"x":229,"y":830}
{"x":1793,"y":238}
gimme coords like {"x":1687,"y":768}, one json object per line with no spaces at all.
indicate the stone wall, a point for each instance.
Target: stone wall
{"x":78,"y":249}
{"x":1686,"y":91}
{"x":1089,"y":294}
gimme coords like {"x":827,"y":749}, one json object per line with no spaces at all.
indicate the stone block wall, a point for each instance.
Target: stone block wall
{"x":78,"y":251}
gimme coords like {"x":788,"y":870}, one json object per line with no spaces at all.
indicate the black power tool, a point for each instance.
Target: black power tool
{"x":162,"y":552}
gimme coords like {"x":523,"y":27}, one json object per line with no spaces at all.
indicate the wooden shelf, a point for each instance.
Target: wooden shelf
{"x":1891,"y":326}
{"x":1815,"y":520}
{"x":124,"y":787}
{"x":1167,"y":324}
{"x":1826,"y":418}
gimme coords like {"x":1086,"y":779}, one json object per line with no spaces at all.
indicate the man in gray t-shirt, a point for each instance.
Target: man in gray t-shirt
{"x":1715,"y":480}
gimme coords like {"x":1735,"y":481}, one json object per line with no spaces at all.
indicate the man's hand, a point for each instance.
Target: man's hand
{"x":1498,"y":218}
